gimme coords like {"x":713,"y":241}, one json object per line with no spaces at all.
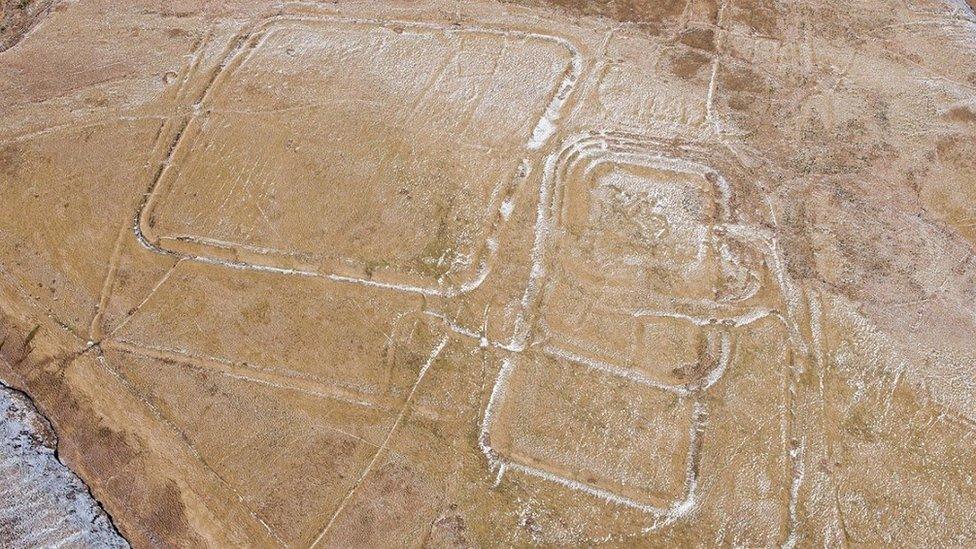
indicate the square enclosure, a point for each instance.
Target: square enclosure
{"x":624,"y":441}
{"x":372,"y":151}
{"x":637,"y":272}
{"x":659,"y":351}
{"x":637,"y":220}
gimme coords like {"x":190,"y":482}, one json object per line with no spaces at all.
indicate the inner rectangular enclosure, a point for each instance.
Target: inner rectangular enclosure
{"x":374,"y":151}
{"x":637,"y":222}
{"x":614,"y":436}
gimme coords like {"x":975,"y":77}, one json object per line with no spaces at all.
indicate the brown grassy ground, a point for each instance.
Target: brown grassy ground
{"x":19,"y":16}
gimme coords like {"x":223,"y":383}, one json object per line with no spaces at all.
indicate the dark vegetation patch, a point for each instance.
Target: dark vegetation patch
{"x":654,"y":13}
{"x":19,"y":16}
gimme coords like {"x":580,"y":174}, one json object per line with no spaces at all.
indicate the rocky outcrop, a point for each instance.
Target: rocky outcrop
{"x":42,"y":502}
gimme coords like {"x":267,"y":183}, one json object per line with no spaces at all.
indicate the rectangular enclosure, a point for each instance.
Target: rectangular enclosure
{"x":363,"y":150}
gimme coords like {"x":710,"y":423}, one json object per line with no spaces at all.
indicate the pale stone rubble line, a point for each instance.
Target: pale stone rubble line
{"x":796,"y":455}
{"x":641,"y":379}
{"x":238,"y":370}
{"x":131,"y":314}
{"x":95,"y":326}
{"x":795,"y":298}
{"x":380,"y":452}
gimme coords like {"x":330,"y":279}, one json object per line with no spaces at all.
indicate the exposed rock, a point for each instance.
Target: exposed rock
{"x":43,"y":503}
